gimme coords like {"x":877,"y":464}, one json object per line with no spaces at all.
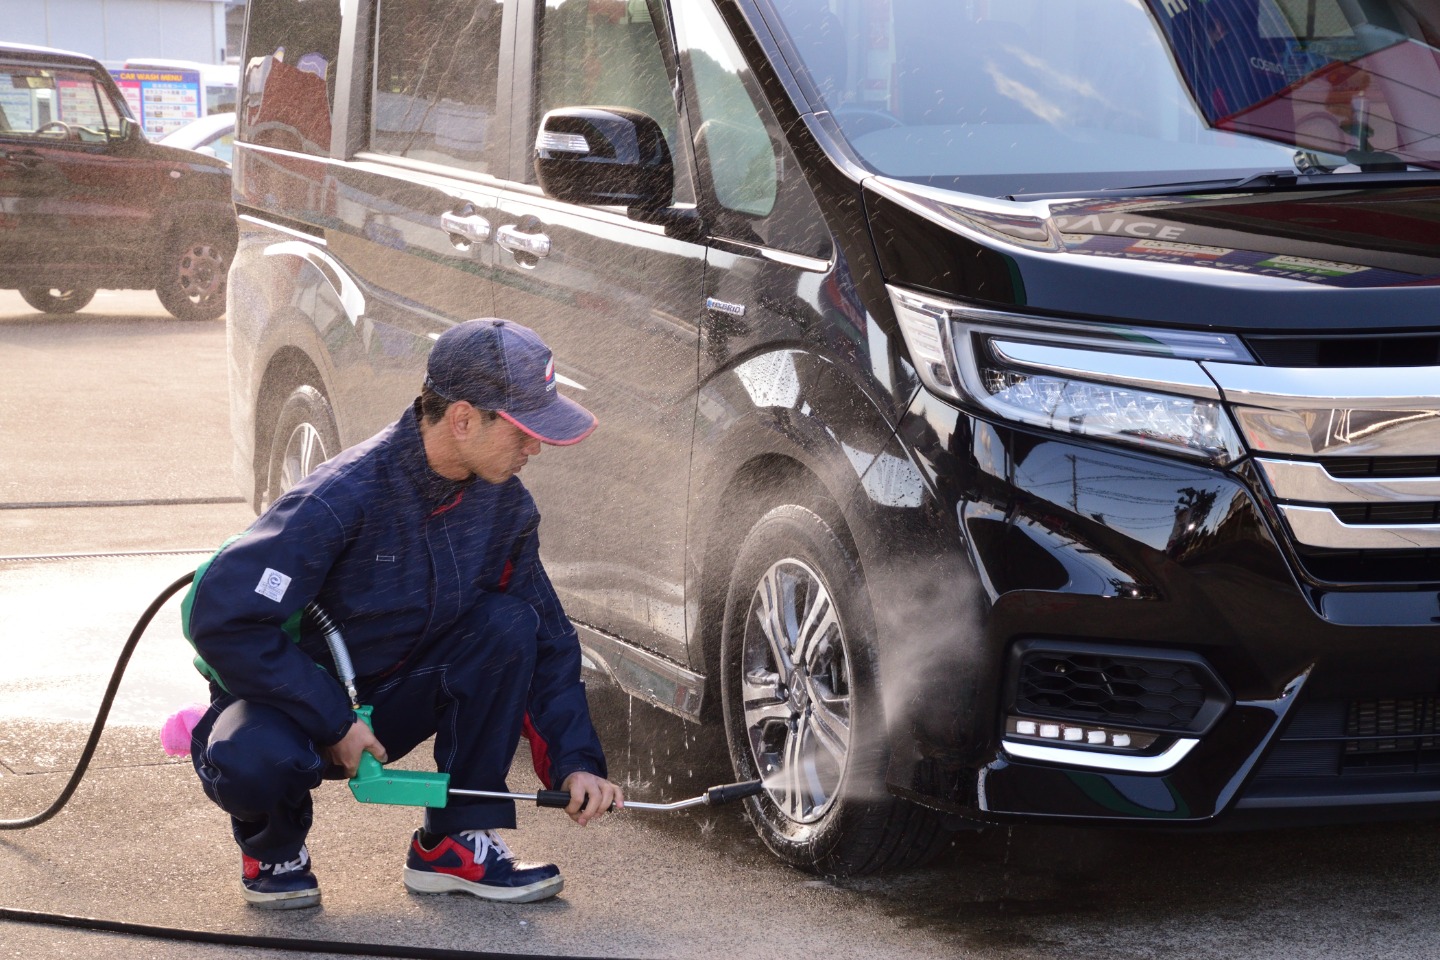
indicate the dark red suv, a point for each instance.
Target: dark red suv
{"x":86,"y":202}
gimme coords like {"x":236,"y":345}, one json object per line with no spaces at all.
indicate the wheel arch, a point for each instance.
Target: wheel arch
{"x":288,"y":369}
{"x":815,"y":452}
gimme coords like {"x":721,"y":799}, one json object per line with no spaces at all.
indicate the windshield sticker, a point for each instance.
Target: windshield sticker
{"x":1325,"y":268}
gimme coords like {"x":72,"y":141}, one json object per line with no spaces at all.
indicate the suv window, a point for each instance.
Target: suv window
{"x":744,"y":161}
{"x":602,"y":53}
{"x":437,"y":67}
{"x":56,"y":105}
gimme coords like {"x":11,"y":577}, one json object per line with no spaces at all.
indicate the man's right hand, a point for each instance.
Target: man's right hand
{"x":357,"y":740}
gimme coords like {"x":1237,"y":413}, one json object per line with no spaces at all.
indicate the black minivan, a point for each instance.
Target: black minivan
{"x":1008,"y":408}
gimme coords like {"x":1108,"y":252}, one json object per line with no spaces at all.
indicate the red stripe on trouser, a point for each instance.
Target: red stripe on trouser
{"x":539,"y":753}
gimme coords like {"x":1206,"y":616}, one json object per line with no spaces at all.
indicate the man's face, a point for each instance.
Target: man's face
{"x":497,"y":449}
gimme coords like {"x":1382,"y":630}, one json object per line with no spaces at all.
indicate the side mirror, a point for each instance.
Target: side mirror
{"x":604,"y":156}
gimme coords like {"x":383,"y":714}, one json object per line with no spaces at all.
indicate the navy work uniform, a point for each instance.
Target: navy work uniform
{"x":451,"y":622}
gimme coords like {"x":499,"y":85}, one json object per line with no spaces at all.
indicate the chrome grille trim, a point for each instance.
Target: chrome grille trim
{"x":1334,"y":412}
{"x":1319,"y":527}
{"x":1310,"y":482}
{"x":1318,"y":414}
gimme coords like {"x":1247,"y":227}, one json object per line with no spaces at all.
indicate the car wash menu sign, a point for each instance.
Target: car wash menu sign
{"x":163,"y":100}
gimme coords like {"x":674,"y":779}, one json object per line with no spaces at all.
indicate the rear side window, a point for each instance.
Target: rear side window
{"x":55,"y":105}
{"x":291,"y":48}
{"x":437,"y":66}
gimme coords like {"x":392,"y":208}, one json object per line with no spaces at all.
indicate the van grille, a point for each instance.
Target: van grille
{"x":1349,"y":454}
{"x":1335,"y":739}
{"x":1372,"y":351}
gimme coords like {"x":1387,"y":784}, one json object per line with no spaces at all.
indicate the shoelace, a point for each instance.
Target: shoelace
{"x":486,"y":840}
{"x":289,"y":866}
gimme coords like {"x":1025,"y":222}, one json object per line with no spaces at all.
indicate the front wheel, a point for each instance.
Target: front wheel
{"x":57,"y":299}
{"x":191,"y":284}
{"x":802,"y":704}
{"x":304,"y":437}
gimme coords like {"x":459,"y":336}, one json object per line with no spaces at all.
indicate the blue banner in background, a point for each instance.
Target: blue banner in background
{"x":162,"y":100}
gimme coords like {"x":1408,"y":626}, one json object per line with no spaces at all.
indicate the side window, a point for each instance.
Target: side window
{"x":602,"y":53}
{"x":744,"y":161}
{"x":55,"y":106}
{"x":291,"y":49}
{"x":437,"y":67}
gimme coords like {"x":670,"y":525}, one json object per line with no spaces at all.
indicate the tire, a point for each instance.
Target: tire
{"x":805,"y":714}
{"x":304,"y":437}
{"x":191,"y":283}
{"x":57,"y":299}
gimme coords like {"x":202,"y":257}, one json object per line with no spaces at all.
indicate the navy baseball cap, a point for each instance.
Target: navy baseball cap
{"x":502,"y":366}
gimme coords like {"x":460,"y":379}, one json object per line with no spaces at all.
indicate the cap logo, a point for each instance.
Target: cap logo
{"x":550,"y":374}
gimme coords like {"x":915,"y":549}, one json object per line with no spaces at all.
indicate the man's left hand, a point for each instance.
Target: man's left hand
{"x":591,"y":797}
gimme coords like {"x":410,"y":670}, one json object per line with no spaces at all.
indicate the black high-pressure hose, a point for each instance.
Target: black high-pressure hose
{"x":290,"y":944}
{"x":104,"y":711}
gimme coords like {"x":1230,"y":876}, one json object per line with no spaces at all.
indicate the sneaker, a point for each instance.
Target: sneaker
{"x":477,"y":862}
{"x":279,"y":886}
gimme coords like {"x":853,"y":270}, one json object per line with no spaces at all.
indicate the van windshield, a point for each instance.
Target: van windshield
{"x":1008,"y":96}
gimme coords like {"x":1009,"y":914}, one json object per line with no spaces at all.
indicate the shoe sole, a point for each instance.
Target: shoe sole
{"x":422,"y":881}
{"x":296,"y":900}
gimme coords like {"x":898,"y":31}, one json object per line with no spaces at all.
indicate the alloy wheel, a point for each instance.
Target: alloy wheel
{"x":795,"y":688}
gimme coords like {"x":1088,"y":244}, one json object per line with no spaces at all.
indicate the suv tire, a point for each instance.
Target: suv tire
{"x":191,"y":284}
{"x":57,"y":299}
{"x":304,"y":437}
{"x":805,"y":713}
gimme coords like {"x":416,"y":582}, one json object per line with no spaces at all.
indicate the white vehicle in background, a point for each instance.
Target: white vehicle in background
{"x":213,"y":135}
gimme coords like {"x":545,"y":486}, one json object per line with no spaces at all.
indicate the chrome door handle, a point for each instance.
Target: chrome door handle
{"x":523,"y":244}
{"x":469,"y":226}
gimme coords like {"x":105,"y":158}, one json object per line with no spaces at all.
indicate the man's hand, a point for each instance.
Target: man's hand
{"x":358,"y":739}
{"x":594,"y":794}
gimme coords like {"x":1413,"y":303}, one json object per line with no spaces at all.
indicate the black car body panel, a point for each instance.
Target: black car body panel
{"x":1141,"y":481}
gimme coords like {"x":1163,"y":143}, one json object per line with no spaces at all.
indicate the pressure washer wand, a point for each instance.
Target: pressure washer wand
{"x":560,"y":798}
{"x":372,"y":783}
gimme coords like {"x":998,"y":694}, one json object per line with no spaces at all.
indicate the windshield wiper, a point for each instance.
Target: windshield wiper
{"x":1319,"y":177}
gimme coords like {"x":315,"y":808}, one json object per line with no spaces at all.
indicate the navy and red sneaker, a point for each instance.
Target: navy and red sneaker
{"x":279,"y":886}
{"x":477,"y":862}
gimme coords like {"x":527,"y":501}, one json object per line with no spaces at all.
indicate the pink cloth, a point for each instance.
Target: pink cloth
{"x":175,"y":734}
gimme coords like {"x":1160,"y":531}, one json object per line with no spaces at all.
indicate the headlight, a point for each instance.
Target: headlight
{"x":1133,"y":385}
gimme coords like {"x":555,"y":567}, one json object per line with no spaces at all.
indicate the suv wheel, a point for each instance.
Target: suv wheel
{"x":304,"y":437}
{"x":191,"y":284}
{"x":802,"y":706}
{"x":57,"y":299}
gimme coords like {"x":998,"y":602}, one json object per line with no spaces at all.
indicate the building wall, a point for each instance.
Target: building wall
{"x":112,"y":30}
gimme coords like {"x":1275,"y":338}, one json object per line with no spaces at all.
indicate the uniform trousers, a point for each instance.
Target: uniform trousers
{"x":466,"y":688}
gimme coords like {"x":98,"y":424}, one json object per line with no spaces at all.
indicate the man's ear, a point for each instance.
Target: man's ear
{"x":461,"y":418}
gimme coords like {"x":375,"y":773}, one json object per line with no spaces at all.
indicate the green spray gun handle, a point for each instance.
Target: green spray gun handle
{"x":372,"y":783}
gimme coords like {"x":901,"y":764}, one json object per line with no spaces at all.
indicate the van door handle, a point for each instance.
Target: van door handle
{"x":467,"y":225}
{"x":523,"y":244}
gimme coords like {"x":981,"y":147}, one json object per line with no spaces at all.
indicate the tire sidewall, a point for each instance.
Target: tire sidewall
{"x":794,"y":531}
{"x":305,"y":404}
{"x":168,"y":285}
{"x":40,"y":298}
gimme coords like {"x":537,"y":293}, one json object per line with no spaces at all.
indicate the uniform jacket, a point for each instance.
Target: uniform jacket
{"x":396,"y":555}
